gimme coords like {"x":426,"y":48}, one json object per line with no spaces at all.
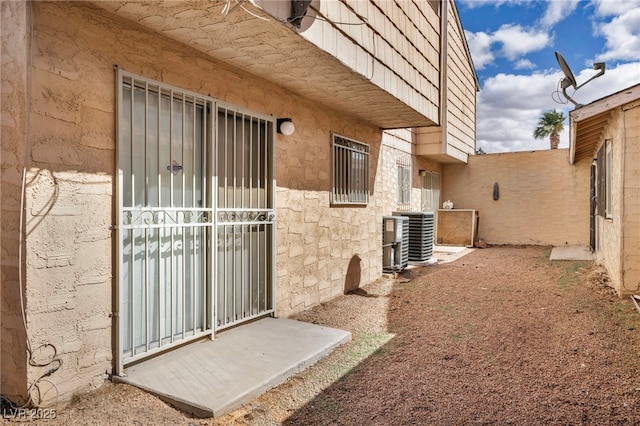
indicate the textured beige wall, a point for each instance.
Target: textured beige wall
{"x":15,"y":50}
{"x":609,"y":230}
{"x":543,"y":200}
{"x":619,"y":236}
{"x":320,"y":249}
{"x":631,"y":191}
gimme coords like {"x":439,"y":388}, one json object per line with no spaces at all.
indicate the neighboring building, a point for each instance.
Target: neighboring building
{"x":607,"y":132}
{"x":147,"y":197}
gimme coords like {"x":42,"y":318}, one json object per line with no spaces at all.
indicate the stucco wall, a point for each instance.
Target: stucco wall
{"x":14,"y":18}
{"x":543,"y":200}
{"x":320,"y":249}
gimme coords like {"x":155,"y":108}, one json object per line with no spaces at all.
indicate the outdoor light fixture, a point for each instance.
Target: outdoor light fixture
{"x":285,"y":126}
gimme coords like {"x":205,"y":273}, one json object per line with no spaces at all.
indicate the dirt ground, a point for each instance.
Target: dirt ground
{"x":499,"y":336}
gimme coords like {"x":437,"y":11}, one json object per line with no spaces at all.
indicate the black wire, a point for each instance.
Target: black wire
{"x":293,"y":18}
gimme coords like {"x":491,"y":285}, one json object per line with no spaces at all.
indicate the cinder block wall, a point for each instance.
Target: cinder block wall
{"x":631,"y":218}
{"x":618,"y":247}
{"x":543,"y":199}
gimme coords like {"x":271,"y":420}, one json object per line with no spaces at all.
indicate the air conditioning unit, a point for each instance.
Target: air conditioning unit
{"x":395,"y":243}
{"x":421,"y":234}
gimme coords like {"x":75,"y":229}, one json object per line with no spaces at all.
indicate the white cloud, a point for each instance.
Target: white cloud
{"x":622,"y":36}
{"x":613,"y":80}
{"x":525,"y":64}
{"x":517,"y":41}
{"x":557,"y":11}
{"x":614,"y":7}
{"x":480,"y":47}
{"x":509,"y":105}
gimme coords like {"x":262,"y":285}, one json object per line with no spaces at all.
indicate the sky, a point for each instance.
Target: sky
{"x":512,"y":43}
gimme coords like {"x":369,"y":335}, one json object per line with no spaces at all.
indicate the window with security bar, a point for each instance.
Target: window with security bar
{"x":404,"y":184}
{"x":350,"y":177}
{"x":430,"y":191}
{"x":603,"y":184}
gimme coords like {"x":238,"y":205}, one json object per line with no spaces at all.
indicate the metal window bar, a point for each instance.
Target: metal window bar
{"x":350,"y":163}
{"x":404,"y":183}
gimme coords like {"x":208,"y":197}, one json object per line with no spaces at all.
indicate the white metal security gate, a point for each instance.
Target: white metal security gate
{"x":195,"y":217}
{"x":245,"y":217}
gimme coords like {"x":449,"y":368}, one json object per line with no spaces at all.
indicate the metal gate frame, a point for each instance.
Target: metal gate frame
{"x":210,"y":194}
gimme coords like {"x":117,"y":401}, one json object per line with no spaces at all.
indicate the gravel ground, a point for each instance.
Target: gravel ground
{"x":499,"y":336}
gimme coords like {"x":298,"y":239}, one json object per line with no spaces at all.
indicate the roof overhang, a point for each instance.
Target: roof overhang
{"x":272,"y":50}
{"x":589,"y":122}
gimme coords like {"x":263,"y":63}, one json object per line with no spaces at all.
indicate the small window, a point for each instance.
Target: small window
{"x":430,"y":191}
{"x":404,"y":184}
{"x":350,"y":171}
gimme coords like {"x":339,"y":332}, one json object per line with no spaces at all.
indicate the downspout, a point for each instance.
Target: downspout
{"x":444,"y":30}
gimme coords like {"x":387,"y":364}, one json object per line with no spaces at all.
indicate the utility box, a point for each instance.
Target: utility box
{"x":421,"y":234}
{"x":457,"y":227}
{"x":395,"y":243}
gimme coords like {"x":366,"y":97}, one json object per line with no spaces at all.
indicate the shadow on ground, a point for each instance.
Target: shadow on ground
{"x":501,"y":336}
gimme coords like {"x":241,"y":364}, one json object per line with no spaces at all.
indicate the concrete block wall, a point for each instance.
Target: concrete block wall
{"x":618,"y":242}
{"x":610,"y":230}
{"x":543,"y":200}
{"x":631,"y":217}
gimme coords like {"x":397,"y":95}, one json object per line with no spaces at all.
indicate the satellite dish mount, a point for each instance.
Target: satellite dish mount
{"x":570,"y":81}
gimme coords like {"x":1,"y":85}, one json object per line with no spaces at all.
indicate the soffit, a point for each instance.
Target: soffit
{"x":272,"y":51}
{"x":589,"y":122}
{"x":589,"y":133}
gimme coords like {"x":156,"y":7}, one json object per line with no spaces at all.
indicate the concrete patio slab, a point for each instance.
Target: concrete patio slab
{"x":571,"y":253}
{"x":447,"y":254}
{"x":213,"y":377}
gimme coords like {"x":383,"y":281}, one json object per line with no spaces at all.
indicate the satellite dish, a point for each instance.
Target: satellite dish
{"x":570,"y":81}
{"x":299,"y":15}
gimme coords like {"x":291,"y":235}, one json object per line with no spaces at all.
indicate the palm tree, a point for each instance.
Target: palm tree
{"x":551,"y":123}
